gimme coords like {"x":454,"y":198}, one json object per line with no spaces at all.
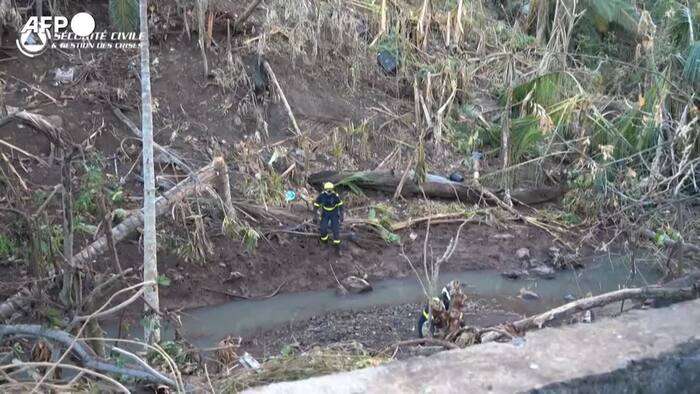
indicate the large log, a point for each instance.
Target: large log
{"x":435,"y":186}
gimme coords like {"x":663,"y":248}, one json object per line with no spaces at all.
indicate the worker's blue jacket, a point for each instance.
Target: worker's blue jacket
{"x":330,"y":202}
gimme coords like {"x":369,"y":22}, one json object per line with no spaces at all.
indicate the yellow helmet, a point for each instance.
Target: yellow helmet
{"x":328,"y":186}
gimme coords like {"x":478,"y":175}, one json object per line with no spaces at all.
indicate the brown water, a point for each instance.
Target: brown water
{"x":205,"y":326}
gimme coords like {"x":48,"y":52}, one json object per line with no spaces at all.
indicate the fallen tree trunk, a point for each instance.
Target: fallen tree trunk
{"x":84,"y":354}
{"x":640,"y":293}
{"x":183,"y":189}
{"x":435,"y":186}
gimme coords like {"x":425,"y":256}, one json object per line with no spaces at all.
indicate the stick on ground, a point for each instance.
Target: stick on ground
{"x":271,"y":73}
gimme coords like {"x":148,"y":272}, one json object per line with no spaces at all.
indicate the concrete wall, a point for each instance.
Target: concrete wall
{"x":651,"y":351}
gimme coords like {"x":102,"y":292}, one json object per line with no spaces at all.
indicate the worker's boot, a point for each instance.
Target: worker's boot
{"x":323,"y":241}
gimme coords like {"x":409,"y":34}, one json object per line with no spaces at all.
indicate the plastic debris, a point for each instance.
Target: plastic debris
{"x":64,"y":76}
{"x":290,"y":195}
{"x":457,"y":176}
{"x":388,"y":62}
{"x":518,"y":341}
{"x":249,"y":361}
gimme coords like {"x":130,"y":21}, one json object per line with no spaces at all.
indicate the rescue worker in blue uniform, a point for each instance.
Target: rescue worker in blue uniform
{"x":331,"y":207}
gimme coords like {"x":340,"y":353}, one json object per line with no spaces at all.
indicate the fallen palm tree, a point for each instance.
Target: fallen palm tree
{"x":215,"y":174}
{"x":435,"y":186}
{"x":192,"y":184}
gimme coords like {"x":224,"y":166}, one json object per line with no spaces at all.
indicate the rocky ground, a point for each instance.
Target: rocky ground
{"x":375,"y":328}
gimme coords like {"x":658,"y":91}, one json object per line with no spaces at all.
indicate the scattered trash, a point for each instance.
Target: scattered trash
{"x":388,"y":62}
{"x":64,"y":76}
{"x":249,"y":361}
{"x":456,"y":176}
{"x":569,"y":297}
{"x":290,"y":195}
{"x":518,"y":341}
{"x":588,"y":317}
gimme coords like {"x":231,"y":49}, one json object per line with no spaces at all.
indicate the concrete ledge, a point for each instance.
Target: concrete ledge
{"x":652,"y":351}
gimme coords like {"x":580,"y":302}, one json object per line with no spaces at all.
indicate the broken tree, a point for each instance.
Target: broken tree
{"x":210,"y":175}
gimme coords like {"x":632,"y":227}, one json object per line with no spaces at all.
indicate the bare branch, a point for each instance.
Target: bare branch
{"x":91,"y":362}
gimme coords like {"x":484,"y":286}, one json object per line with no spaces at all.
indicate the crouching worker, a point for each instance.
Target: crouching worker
{"x":331,"y":214}
{"x":443,"y":313}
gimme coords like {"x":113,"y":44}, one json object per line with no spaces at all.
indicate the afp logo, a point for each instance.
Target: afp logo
{"x":36,"y":35}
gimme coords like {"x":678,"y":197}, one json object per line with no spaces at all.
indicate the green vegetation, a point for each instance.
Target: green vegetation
{"x":124,"y":14}
{"x":7,"y":247}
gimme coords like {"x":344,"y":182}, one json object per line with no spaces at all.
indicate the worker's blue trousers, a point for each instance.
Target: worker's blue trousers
{"x":332,"y":220}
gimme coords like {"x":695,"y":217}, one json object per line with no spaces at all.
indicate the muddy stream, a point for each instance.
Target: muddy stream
{"x":205,"y":326}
